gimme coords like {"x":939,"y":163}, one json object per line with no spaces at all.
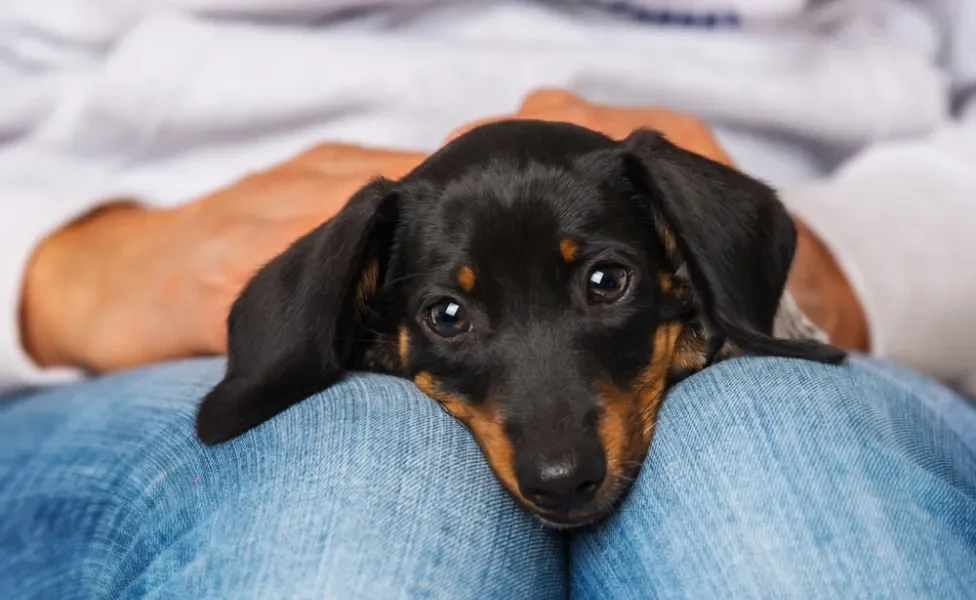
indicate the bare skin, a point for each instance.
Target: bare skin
{"x":129,"y":285}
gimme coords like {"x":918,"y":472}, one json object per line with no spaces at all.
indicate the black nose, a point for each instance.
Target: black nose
{"x":562,"y":484}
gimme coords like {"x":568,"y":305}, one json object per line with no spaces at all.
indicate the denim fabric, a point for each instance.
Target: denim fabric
{"x":786,"y":479}
{"x":767,"y":478}
{"x":367,"y":491}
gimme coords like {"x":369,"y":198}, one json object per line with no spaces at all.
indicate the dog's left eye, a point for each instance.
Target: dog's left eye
{"x":607,"y":283}
{"x":447,"y":318}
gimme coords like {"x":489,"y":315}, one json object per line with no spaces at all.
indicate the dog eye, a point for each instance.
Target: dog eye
{"x":447,"y":318}
{"x":607,"y":283}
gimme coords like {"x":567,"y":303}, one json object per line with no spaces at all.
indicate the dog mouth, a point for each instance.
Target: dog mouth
{"x":599,"y":508}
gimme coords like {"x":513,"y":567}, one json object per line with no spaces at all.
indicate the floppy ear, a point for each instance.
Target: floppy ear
{"x":732,"y":234}
{"x":297,"y":325}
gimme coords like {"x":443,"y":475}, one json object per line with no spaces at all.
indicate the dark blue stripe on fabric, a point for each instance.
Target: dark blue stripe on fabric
{"x":670,"y":18}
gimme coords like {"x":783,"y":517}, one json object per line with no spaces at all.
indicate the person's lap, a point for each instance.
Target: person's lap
{"x":367,"y":491}
{"x":785,"y":479}
{"x":767,"y":478}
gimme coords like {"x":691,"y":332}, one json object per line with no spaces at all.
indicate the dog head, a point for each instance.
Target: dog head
{"x":544,"y":283}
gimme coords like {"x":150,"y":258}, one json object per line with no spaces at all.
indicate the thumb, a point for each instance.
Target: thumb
{"x":548,"y":99}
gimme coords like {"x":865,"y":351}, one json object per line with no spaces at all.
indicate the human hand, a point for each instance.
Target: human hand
{"x":559,"y":105}
{"x":129,"y":285}
{"x":824,"y":295}
{"x":816,"y":282}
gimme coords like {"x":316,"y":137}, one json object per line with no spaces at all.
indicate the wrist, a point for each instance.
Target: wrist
{"x":61,"y":282}
{"x":823,"y":293}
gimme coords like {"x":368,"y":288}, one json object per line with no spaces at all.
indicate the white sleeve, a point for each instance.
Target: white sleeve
{"x":901,"y":221}
{"x":900,"y":218}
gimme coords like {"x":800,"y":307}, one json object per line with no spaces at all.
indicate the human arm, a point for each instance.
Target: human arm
{"x":128,"y":284}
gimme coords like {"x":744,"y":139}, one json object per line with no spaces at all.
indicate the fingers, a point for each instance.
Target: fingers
{"x":316,"y":182}
{"x":546,"y":99}
{"x":345,"y":159}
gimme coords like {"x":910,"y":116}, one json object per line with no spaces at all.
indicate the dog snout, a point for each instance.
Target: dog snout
{"x":563,"y":483}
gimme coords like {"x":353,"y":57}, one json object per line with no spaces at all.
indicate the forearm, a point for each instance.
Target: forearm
{"x":128,"y":284}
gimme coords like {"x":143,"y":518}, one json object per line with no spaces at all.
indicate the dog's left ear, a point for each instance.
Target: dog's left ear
{"x":298,"y":325}
{"x":731,"y":232}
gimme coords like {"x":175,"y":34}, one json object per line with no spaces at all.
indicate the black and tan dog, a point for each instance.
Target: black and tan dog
{"x":544,"y":283}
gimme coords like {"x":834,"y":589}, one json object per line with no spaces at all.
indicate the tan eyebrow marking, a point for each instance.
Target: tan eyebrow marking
{"x":569,"y":250}
{"x":465,"y":278}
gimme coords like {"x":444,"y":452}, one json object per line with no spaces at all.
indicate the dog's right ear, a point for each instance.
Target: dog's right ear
{"x":298,"y":324}
{"x":731,"y":232}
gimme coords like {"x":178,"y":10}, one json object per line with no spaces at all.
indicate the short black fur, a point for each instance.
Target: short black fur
{"x":294,"y":330}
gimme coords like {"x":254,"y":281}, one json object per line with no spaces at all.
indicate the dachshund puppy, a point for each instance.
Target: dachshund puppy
{"x":542,"y":282}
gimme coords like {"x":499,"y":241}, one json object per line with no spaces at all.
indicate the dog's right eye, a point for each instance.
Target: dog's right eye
{"x":447,"y":318}
{"x":607,"y":283}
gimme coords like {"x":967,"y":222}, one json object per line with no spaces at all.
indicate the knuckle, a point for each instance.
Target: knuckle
{"x":324,"y":154}
{"x":547,"y":98}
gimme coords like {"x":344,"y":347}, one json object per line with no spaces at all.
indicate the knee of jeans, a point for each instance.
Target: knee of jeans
{"x":346,"y":466}
{"x":739,"y":384}
{"x":780,"y":410}
{"x":762,"y":470}
{"x":735,"y":402}
{"x":367,"y":430}
{"x":367,"y":424}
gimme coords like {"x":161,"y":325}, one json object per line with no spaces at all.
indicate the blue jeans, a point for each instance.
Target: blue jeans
{"x":767,"y":479}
